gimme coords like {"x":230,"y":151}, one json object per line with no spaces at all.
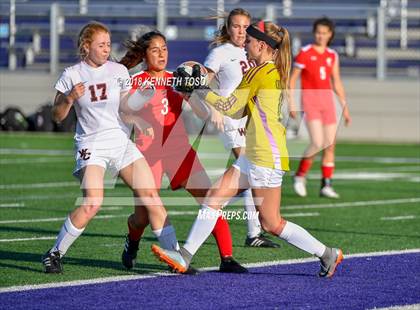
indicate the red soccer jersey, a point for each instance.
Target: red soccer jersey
{"x":163,"y":113}
{"x":316,"y":67}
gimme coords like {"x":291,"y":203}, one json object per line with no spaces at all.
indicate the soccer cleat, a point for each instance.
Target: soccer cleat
{"x":299,"y":185}
{"x":191,"y":271}
{"x":52,"y":262}
{"x":329,"y":264}
{"x":328,"y":192}
{"x":129,"y":254}
{"x":173,"y":259}
{"x":229,"y":265}
{"x":260,"y":242}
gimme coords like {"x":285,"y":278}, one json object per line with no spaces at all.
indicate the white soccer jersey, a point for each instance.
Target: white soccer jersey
{"x":229,"y":63}
{"x":98,"y":120}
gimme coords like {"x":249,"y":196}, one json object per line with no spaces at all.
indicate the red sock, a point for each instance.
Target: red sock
{"x":304,"y":166}
{"x":327,"y":171}
{"x":134,"y":234}
{"x":221,"y":233}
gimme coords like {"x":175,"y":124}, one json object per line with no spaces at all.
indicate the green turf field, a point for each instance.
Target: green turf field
{"x":375,"y":213}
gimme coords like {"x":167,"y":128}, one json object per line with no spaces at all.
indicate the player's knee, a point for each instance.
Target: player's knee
{"x":91,"y":209}
{"x":316,"y":145}
{"x":148,"y":196}
{"x":273,"y":227}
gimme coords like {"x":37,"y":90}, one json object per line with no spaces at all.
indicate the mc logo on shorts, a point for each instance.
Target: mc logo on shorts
{"x":84,"y":154}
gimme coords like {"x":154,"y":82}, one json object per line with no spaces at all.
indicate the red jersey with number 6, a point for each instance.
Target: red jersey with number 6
{"x":163,"y":113}
{"x":316,"y":76}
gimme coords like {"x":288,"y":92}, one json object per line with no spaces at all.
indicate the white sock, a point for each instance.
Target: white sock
{"x":254,"y":226}
{"x":302,"y":239}
{"x":201,"y":229}
{"x":67,"y":235}
{"x":167,"y":238}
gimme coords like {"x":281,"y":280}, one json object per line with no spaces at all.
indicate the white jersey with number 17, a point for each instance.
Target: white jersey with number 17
{"x":98,"y":122}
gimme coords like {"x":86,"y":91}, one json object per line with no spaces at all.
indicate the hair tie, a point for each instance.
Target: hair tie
{"x":261,"y":26}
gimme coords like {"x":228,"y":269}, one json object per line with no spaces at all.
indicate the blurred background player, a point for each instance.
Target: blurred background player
{"x":318,"y":65}
{"x":95,"y":86}
{"x":227,"y":62}
{"x":265,"y":161}
{"x":168,"y":150}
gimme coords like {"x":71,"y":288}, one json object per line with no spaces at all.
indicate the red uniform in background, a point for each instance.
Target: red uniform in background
{"x":317,"y":95}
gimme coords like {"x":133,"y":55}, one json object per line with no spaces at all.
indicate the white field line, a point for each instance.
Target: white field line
{"x":402,"y":307}
{"x":353,"y":204}
{"x":154,"y":275}
{"x":58,"y":219}
{"x":12,"y":205}
{"x":110,"y":216}
{"x":42,"y":160}
{"x":29,"y":239}
{"x":7,"y":151}
{"x":40,"y":185}
{"x":378,"y":176}
{"x":398,"y":218}
{"x":206,"y":155}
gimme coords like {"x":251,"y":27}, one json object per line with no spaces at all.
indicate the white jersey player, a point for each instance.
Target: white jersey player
{"x":227,"y":62}
{"x":98,"y":89}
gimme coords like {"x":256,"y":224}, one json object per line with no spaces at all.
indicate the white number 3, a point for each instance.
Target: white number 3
{"x":322,"y":73}
{"x":165,"y":109}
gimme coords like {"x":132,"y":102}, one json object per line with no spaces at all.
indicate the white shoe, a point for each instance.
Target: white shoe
{"x":299,"y":186}
{"x":329,"y":192}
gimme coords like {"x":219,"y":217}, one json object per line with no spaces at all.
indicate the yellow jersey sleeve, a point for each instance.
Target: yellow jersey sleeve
{"x":234,"y":106}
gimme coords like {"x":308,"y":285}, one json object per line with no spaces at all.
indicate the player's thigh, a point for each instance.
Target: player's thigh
{"x":92,"y":184}
{"x":316,"y":136}
{"x":138,"y":175}
{"x":330,"y":133}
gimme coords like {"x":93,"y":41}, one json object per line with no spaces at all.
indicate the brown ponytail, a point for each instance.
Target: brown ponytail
{"x":282,"y":54}
{"x":136,"y":49}
{"x":222,"y":36}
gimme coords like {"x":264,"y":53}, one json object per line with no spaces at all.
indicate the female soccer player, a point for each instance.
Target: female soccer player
{"x":168,"y":151}
{"x":318,"y":64}
{"x":227,"y":63}
{"x":266,"y":158}
{"x":96,"y":86}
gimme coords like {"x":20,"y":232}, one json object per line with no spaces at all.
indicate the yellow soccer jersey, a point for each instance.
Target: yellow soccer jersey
{"x":258,"y":96}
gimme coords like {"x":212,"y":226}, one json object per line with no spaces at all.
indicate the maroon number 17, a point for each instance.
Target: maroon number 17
{"x":101,"y":86}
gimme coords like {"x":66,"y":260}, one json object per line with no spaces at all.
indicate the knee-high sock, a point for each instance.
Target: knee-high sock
{"x":304,"y":166}
{"x":67,"y":235}
{"x":302,"y":239}
{"x":221,"y":233}
{"x":201,"y":229}
{"x":253,"y":223}
{"x":167,"y":238}
{"x":134,"y":233}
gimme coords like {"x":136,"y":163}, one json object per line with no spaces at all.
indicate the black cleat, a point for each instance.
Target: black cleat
{"x":229,"y":265}
{"x":129,"y":254}
{"x":52,"y":262}
{"x":260,"y":242}
{"x":191,"y":271}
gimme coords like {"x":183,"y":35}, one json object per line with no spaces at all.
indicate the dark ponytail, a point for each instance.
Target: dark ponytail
{"x":136,"y":49}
